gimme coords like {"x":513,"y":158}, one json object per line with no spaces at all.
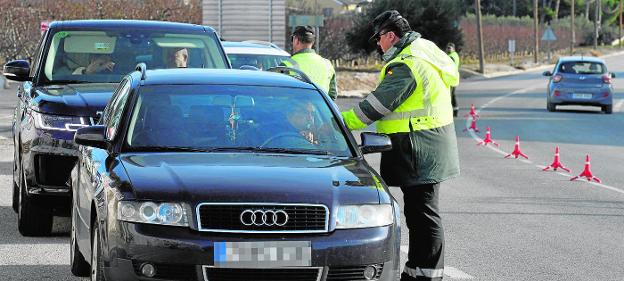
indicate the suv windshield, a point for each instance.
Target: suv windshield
{"x":106,"y":56}
{"x":234,"y":118}
{"x":582,"y":67}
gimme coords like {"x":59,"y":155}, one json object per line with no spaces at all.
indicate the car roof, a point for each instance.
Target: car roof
{"x":128,"y":25}
{"x":252,"y":48}
{"x":201,"y":76}
{"x":579,"y":58}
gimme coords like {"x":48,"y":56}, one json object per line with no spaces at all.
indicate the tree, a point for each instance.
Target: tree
{"x":435,"y":20}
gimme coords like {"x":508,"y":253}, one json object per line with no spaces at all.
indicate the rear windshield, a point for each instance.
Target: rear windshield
{"x":106,"y":56}
{"x":582,"y":68}
{"x":235,"y":117}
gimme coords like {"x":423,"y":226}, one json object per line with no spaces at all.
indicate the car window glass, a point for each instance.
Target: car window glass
{"x":582,"y":68}
{"x":233,"y":117}
{"x":259,"y":61}
{"x":105,"y":56}
{"x":116,"y":111}
{"x":38,"y":54}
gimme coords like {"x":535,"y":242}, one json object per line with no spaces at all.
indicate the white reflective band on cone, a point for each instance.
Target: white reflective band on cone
{"x":426,"y":272}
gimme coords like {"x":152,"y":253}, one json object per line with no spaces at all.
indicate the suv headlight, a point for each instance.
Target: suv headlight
{"x":361,"y":216}
{"x":152,"y":212}
{"x":59,"y":122}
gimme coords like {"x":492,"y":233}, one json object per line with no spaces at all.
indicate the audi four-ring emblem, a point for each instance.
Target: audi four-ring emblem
{"x":264,"y":217}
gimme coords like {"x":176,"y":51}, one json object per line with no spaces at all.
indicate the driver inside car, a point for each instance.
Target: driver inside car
{"x":303,"y":129}
{"x":98,"y":63}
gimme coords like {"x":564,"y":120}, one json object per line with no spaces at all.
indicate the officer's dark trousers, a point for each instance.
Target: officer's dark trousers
{"x":454,"y":102}
{"x":426,"y":237}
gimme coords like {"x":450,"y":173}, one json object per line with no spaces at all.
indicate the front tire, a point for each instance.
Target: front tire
{"x":15,"y":197}
{"x":79,"y":266}
{"x":551,"y":107}
{"x":608,"y":109}
{"x":97,"y":264}
{"x":34,"y":218}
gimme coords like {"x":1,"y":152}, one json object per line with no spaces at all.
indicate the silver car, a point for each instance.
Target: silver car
{"x":580,"y":81}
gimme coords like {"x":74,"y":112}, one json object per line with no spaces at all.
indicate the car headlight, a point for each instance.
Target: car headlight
{"x":361,"y":216}
{"x":152,"y":212}
{"x":59,"y":122}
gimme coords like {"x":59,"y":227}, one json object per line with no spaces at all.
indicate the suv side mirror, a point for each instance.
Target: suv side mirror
{"x":92,"y":136}
{"x":547,"y":73}
{"x":17,"y":70}
{"x":373,"y":142}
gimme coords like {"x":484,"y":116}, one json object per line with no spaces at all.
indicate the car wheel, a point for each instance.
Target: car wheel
{"x":608,"y":109}
{"x":15,"y":197}
{"x":79,"y":266}
{"x":33,"y":217}
{"x":97,"y":265}
{"x":551,"y":107}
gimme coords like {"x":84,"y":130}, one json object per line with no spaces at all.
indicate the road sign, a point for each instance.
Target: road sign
{"x":511,"y":46}
{"x":549,"y":35}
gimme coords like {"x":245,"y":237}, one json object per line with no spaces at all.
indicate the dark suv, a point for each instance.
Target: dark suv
{"x":77,"y":66}
{"x":229,"y":175}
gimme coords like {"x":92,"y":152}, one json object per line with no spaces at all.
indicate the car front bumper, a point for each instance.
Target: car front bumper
{"x":185,"y":254}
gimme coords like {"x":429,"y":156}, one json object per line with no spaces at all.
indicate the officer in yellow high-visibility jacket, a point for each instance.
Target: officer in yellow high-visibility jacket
{"x":450,"y":50}
{"x":304,"y":58}
{"x":412,"y":105}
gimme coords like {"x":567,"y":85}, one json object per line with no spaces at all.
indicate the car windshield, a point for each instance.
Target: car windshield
{"x":259,"y":61}
{"x":582,"y":67}
{"x":106,"y":56}
{"x":234,"y":118}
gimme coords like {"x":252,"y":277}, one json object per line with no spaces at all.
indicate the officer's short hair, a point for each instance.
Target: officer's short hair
{"x":305,"y":34}
{"x":391,"y":21}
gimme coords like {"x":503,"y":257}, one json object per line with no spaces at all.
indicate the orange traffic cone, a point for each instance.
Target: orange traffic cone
{"x":587,"y":172}
{"x":488,"y":138}
{"x":517,"y":152}
{"x":472,"y":112}
{"x":556,"y":163}
{"x":473,"y":125}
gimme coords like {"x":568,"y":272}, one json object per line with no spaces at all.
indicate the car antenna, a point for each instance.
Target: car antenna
{"x":142,"y":67}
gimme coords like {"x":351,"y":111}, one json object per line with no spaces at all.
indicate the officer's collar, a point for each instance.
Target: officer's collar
{"x":305,"y":51}
{"x":407,"y":39}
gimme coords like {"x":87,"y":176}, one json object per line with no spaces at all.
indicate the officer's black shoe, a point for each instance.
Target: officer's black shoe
{"x":455,"y":111}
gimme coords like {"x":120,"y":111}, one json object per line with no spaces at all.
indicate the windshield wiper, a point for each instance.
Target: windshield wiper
{"x":68,"y":82}
{"x":169,"y":149}
{"x":277,"y":150}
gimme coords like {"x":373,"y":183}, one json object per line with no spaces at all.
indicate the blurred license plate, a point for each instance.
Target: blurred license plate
{"x":582,"y":96}
{"x":262,"y":254}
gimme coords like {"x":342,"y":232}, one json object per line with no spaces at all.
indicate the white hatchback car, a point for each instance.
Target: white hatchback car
{"x":262,"y":55}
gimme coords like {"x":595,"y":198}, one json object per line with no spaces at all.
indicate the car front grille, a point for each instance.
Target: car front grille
{"x":301,"y":218}
{"x":262,"y":274}
{"x":351,"y":273}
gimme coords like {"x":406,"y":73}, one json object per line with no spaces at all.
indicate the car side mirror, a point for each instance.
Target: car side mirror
{"x":612,"y":75}
{"x":17,"y":70}
{"x":373,"y":142}
{"x":94,"y":136}
{"x":547,"y":73}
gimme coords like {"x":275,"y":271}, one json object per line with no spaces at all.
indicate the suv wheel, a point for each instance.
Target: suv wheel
{"x":79,"y":266}
{"x":33,"y":218}
{"x":551,"y":106}
{"x":97,"y":265}
{"x":608,"y":109}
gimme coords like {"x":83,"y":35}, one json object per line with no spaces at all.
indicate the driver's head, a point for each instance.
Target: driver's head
{"x":178,"y":58}
{"x":301,"y":116}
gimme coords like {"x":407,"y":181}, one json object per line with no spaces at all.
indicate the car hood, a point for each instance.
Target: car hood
{"x":250,"y":177}
{"x":72,"y":99}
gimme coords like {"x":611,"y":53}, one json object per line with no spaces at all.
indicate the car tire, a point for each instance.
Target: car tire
{"x":608,"y":109}
{"x":551,"y":107}
{"x":79,"y":266}
{"x":33,"y":217}
{"x":15,"y":204}
{"x":97,"y":264}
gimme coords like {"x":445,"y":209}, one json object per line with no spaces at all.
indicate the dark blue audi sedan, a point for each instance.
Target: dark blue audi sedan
{"x":228,"y":175}
{"x":580,"y":81}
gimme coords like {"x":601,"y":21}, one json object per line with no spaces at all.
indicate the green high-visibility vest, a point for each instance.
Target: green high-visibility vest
{"x":429,"y":105}
{"x":317,"y":68}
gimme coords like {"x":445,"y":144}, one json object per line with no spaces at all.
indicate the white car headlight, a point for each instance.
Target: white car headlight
{"x":59,"y":122}
{"x":152,"y":212}
{"x":361,"y":216}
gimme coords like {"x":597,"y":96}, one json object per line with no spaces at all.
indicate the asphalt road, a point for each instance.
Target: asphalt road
{"x":505,"y":219}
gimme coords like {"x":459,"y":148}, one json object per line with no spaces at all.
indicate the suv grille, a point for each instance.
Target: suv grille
{"x":270,"y":274}
{"x":351,"y":273}
{"x":227,"y":218}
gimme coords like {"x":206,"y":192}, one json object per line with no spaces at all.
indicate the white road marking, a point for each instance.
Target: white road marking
{"x":495,"y":149}
{"x":618,"y":105}
{"x":449,"y":271}
{"x":47,"y":254}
